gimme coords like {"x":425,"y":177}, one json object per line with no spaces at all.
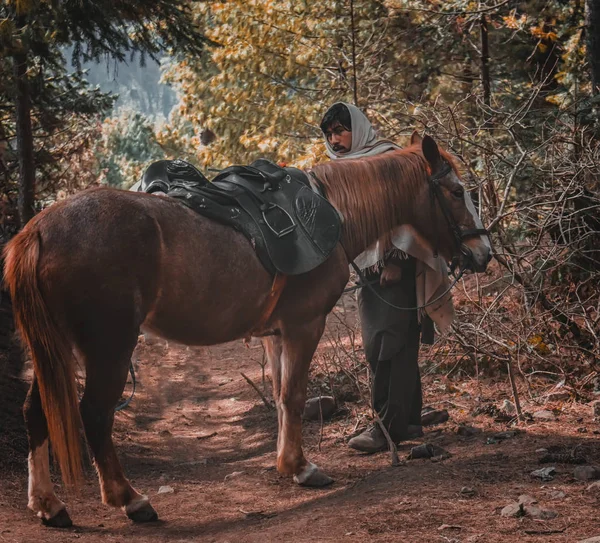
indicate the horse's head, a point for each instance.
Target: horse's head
{"x":455,"y":223}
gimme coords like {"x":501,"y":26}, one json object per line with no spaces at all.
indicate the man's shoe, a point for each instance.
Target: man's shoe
{"x":370,"y":441}
{"x":414,"y":431}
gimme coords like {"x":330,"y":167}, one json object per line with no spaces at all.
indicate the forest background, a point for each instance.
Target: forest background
{"x":511,"y":88}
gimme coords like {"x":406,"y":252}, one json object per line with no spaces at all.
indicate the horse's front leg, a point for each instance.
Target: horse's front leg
{"x":299,"y":345}
{"x":273,"y":346}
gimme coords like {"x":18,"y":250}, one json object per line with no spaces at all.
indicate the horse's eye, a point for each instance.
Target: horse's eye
{"x":458,"y":193}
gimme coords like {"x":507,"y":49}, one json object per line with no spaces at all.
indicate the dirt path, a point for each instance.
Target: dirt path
{"x":196,"y":426}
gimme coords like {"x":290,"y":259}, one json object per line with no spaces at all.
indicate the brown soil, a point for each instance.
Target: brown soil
{"x":196,"y":426}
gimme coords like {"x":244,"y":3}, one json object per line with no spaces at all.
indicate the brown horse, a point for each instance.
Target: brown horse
{"x":88,"y":272}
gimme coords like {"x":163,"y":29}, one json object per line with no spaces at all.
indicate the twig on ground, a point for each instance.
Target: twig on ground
{"x":391,"y":444}
{"x":511,"y":378}
{"x":262,"y":364}
{"x":321,"y":421}
{"x":207,"y":436}
{"x":262,"y":396}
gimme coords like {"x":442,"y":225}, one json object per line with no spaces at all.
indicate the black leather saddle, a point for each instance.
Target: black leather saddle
{"x":292,"y":228}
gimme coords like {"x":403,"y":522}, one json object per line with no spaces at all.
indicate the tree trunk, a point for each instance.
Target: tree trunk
{"x":592,"y":23}
{"x":353,"y":25}
{"x":485,"y":62}
{"x":26,"y":199}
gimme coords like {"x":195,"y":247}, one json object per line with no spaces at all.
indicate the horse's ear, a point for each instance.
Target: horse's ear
{"x":431,"y":152}
{"x":415,"y":138}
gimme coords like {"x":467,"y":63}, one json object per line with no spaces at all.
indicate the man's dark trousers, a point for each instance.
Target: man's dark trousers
{"x":391,"y":342}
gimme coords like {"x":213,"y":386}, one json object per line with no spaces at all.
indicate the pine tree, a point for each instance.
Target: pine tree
{"x":32,"y":33}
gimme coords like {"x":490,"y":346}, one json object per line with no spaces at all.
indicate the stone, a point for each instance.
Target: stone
{"x":430,"y":417}
{"x":467,"y":431}
{"x":539,"y":512}
{"x":508,"y":407}
{"x":585,"y":473}
{"x":545,"y":474}
{"x":427,"y":450}
{"x":527,"y":506}
{"x":513,"y":510}
{"x":312,"y":410}
{"x":468,"y":491}
{"x":544,"y":414}
{"x":557,"y":495}
{"x":166,"y":489}
{"x":525,"y":499}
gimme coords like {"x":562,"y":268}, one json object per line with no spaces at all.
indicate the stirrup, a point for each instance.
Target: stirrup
{"x":281,"y":215}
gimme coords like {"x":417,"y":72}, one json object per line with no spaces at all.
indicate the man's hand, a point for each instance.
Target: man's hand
{"x":391,"y":274}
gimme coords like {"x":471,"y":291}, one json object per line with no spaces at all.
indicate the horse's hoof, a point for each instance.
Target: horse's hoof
{"x":145,"y":513}
{"x":317,"y":479}
{"x":60,"y":520}
{"x":312,"y":476}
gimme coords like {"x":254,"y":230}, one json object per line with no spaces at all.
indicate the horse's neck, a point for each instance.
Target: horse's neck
{"x":355,"y":245}
{"x":372,"y":219}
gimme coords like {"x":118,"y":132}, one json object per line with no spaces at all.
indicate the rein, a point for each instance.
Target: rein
{"x":369,"y":285}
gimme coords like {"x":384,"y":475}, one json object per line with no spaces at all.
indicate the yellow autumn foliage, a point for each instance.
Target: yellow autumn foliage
{"x":265,"y":86}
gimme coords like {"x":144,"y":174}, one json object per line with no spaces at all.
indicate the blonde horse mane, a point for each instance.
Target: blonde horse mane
{"x":375,"y":194}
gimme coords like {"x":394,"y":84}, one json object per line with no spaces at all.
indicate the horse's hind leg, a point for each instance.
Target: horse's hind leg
{"x":42,"y":499}
{"x":106,"y":374}
{"x":299,"y":345}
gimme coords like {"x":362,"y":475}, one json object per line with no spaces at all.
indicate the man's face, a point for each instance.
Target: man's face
{"x":339,"y":138}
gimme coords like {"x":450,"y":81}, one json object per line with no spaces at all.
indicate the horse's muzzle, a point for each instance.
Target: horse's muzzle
{"x":475,"y":259}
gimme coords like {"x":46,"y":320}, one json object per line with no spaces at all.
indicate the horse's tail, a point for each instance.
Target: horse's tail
{"x":51,"y":351}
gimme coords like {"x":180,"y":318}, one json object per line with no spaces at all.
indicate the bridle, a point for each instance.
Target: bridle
{"x":458,"y":234}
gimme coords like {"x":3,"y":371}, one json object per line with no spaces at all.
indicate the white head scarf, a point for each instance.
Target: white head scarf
{"x":364,"y":138}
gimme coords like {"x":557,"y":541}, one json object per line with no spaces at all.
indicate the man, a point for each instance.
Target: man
{"x":349,"y":134}
{"x":390,"y":336}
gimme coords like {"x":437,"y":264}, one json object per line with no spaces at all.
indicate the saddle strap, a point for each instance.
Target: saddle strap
{"x":279,"y":283}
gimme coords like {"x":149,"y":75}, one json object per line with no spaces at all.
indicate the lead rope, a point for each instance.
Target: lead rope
{"x":128,"y":400}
